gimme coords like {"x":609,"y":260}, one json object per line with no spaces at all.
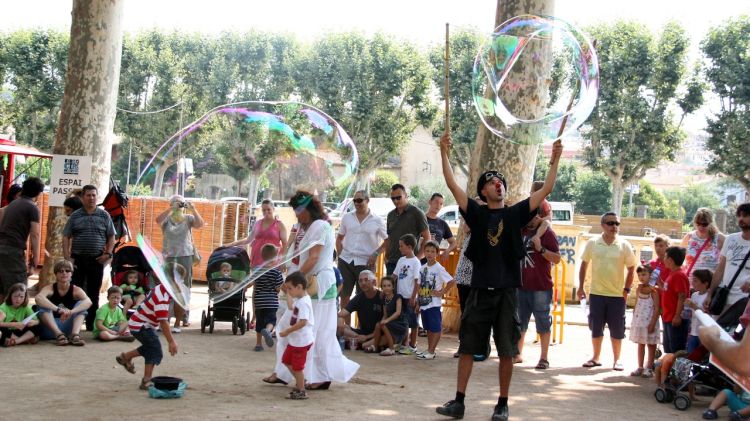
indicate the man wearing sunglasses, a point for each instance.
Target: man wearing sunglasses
{"x":405,"y":219}
{"x":496,"y":250}
{"x":358,"y":243}
{"x":609,"y":256}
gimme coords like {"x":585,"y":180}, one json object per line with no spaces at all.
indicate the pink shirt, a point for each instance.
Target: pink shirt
{"x":261,"y":237}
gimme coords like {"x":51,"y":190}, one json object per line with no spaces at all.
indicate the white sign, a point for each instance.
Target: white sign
{"x":69,"y":172}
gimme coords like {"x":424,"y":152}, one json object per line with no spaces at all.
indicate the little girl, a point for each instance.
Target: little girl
{"x":13,"y":312}
{"x":644,"y":329}
{"x":700,"y":280}
{"x":393,"y":327}
{"x":132,"y":293}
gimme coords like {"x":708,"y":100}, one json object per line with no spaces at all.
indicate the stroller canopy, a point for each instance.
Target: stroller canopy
{"x":235,"y":256}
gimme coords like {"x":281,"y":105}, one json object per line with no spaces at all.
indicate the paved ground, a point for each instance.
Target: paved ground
{"x":46,"y":382}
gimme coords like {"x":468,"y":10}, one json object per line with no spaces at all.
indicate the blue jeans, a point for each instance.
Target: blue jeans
{"x":65,"y":327}
{"x":692,"y":343}
{"x":675,"y":337}
{"x":537,"y":303}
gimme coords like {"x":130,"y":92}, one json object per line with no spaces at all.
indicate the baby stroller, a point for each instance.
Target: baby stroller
{"x":685,"y":372}
{"x":231,"y":309}
{"x":127,"y":257}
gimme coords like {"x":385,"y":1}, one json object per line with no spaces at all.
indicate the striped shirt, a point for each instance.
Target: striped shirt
{"x":265,"y":294}
{"x":89,"y":231}
{"x":151,"y":311}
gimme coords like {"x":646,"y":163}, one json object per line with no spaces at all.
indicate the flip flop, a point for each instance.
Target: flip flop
{"x":592,"y":363}
{"x":275,"y":380}
{"x":125,"y":363}
{"x":542,"y":365}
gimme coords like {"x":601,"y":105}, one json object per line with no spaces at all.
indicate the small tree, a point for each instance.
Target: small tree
{"x":381,"y":183}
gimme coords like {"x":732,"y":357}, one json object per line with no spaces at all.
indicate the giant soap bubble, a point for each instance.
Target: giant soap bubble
{"x":531,"y":76}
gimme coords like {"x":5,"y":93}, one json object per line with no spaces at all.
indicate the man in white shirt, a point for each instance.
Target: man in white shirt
{"x":358,"y":244}
{"x":736,"y":247}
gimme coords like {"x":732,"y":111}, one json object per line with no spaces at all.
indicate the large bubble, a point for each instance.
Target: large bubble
{"x":294,"y":145}
{"x":532,"y":76}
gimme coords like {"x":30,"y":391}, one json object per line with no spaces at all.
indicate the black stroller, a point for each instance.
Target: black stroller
{"x":232,"y":309}
{"x":685,"y":372}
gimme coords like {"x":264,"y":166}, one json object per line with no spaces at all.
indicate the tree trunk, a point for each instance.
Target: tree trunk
{"x":618,"y":191}
{"x":87,"y":113}
{"x":516,"y":160}
{"x":362,"y":181}
{"x":159,"y":176}
{"x":252,"y":185}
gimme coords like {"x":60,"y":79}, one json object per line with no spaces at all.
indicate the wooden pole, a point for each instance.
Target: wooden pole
{"x":447,"y":81}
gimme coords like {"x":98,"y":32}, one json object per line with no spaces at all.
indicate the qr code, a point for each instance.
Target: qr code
{"x":71,"y":166}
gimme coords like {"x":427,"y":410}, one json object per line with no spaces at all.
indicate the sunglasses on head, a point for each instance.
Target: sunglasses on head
{"x":492,"y":174}
{"x":359,"y":200}
{"x":612,"y":223}
{"x":395,"y":198}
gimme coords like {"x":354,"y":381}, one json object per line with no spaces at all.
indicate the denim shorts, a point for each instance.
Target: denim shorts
{"x":263,"y":317}
{"x":538,"y":304}
{"x":150,"y":348}
{"x":609,"y":311}
{"x":432,"y":320}
{"x":65,"y":327}
{"x":409,"y":313}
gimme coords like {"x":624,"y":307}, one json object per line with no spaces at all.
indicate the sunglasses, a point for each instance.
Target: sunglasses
{"x":612,"y":223}
{"x":701,"y":224}
{"x":395,"y":198}
{"x":360,"y":200}
{"x":492,"y":174}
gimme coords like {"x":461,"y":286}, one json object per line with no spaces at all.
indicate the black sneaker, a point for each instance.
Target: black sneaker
{"x":501,"y":413}
{"x":453,"y":409}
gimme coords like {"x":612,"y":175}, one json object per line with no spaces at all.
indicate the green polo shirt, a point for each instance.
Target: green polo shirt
{"x":608,"y":263}
{"x":411,"y":221}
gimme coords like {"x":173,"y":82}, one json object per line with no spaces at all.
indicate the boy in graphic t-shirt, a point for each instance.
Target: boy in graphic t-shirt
{"x":300,"y":331}
{"x":406,"y":275}
{"x":433,"y":282}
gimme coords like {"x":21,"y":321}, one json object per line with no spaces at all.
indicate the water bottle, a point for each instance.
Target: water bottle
{"x":583,"y":305}
{"x":353,"y":344}
{"x":654,"y":277}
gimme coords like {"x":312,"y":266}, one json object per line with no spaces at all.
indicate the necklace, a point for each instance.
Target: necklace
{"x":495,"y":239}
{"x":388,"y":300}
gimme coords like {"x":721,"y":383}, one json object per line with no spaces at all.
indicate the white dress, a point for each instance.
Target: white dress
{"x":644,"y":311}
{"x":325,"y":361}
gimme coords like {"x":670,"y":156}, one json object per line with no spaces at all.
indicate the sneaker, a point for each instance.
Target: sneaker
{"x":408,"y":350}
{"x":454,"y":409}
{"x":397,"y":348}
{"x":418,"y":353}
{"x":258,"y":348}
{"x":501,"y":413}
{"x":387,"y":352}
{"x":456,"y":354}
{"x":296,"y":394}
{"x":176,"y":330}
{"x":637,"y":372}
{"x":426,"y":356}
{"x":710,"y":414}
{"x":735,"y":416}
{"x":647,"y":373}
{"x":267,"y":336}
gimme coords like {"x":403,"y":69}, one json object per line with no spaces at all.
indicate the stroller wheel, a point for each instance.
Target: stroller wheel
{"x":235,"y":323}
{"x":211,"y":324}
{"x":243,"y":325}
{"x":203,"y":321}
{"x":247,"y":320}
{"x":682,"y":402}
{"x":669,"y":397}
{"x":661,"y":395}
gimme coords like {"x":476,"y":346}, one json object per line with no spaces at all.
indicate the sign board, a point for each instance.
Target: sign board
{"x":69,"y":172}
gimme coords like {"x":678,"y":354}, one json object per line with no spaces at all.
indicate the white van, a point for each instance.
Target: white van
{"x":562,"y":213}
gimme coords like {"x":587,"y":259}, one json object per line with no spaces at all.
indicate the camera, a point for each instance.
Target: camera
{"x":183,"y":204}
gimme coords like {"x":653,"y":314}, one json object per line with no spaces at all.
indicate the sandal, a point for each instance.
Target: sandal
{"x":387,"y":352}
{"x":638,"y":372}
{"x":517,"y":360}
{"x":592,"y":363}
{"x":9,"y":342}
{"x":369,"y":349}
{"x":125,"y":363}
{"x":318,"y":386}
{"x":272,"y":379}
{"x":145,"y":384}
{"x":62,"y":340}
{"x":76,"y":340}
{"x":542,"y":364}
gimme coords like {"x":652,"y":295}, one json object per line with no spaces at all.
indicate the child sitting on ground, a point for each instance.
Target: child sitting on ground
{"x":644,"y":329}
{"x":393,"y":327}
{"x":227,"y":281}
{"x":434,"y":280}
{"x":406,"y":275}
{"x":700,"y":281}
{"x":18,"y":322}
{"x":110,"y":323}
{"x":142,"y":324}
{"x":300,"y":333}
{"x":133,"y":293}
{"x":265,"y":297}
{"x":737,"y":400}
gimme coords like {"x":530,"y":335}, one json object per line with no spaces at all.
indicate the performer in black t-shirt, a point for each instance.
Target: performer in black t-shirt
{"x":496,"y":250}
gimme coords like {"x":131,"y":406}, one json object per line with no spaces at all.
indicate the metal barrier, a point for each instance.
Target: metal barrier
{"x":558,"y":300}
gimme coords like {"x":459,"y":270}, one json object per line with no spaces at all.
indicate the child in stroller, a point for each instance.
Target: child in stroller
{"x":131,"y":272}
{"x":226,"y":267}
{"x":133,"y":292}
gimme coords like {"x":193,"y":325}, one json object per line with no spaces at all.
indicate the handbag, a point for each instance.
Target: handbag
{"x":719,"y":299}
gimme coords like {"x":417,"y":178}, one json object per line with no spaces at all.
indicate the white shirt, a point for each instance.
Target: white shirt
{"x":734,"y":250}
{"x":407,"y":273}
{"x":698,"y":299}
{"x":361,"y":239}
{"x":432,"y":278}
{"x":302,"y":311}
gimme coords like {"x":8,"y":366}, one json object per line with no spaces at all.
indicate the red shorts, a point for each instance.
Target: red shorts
{"x":295,"y":356}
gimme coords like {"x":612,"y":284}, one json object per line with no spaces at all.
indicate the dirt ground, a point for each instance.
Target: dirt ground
{"x":44,"y":382}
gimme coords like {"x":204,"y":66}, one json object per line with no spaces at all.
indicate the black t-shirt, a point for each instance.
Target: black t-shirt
{"x":496,"y":247}
{"x":16,"y":225}
{"x":439,"y":228}
{"x":369,"y":311}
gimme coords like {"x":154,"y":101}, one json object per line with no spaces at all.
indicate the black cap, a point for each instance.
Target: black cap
{"x":487,"y":176}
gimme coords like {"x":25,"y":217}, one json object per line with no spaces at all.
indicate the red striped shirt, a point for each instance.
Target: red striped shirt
{"x":151,"y":311}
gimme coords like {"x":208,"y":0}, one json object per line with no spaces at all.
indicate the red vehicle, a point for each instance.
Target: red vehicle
{"x":8,"y":152}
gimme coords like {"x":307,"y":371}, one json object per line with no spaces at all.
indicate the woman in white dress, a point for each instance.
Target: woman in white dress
{"x":325,"y":361}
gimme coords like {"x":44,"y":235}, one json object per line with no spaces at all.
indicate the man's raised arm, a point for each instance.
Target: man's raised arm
{"x":536,"y":198}
{"x":458,"y":193}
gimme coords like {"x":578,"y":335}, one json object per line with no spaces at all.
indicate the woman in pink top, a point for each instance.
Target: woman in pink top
{"x":268,"y":230}
{"x":705,"y":233}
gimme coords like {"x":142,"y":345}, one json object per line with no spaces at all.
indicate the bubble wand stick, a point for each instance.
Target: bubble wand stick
{"x":447,"y":81}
